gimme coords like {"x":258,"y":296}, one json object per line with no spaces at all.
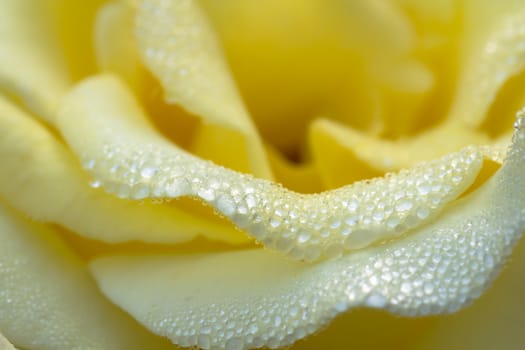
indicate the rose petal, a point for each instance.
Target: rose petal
{"x":300,"y":177}
{"x":497,"y":317}
{"x":297,"y":59}
{"x":40,"y":177}
{"x":48,"y":301}
{"x":31,"y":64}
{"x":102,"y":122}
{"x":268,"y":300}
{"x":115,"y":45}
{"x":5,"y":344}
{"x":492,"y":51}
{"x":117,"y":53}
{"x":334,"y":145}
{"x":178,"y":45}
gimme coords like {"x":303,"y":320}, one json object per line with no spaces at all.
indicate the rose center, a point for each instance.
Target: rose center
{"x":360,"y":65}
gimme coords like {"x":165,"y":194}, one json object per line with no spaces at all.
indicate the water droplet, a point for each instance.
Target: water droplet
{"x":274,"y":222}
{"x":404,"y":206}
{"x":351,"y":220}
{"x":251,"y":201}
{"x":234,"y":344}
{"x":177,"y":187}
{"x":207,"y":194}
{"x":393,"y":222}
{"x":226,"y":205}
{"x":148,"y":172}
{"x":423,"y":213}
{"x":89,"y":164}
{"x":335,"y":224}
{"x":489,"y":261}
{"x":424,"y":189}
{"x":303,"y":236}
{"x":378,"y":215}
{"x":376,"y":300}
{"x":428,"y":287}
{"x":123,"y":191}
{"x":95,"y":184}
{"x":203,"y":342}
{"x":140,"y":192}
{"x":406,"y":287}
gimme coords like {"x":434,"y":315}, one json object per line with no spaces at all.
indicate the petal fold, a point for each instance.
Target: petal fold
{"x":334,"y":145}
{"x":493,"y":51}
{"x":5,"y":344}
{"x":497,"y":316}
{"x":105,"y":127}
{"x":49,"y":301}
{"x":114,"y":43}
{"x":41,"y":177}
{"x":268,"y":300}
{"x":177,"y":44}
{"x":31,"y":65}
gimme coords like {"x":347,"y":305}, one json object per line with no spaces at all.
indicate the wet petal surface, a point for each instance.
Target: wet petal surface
{"x":49,"y":301}
{"x":268,"y":300}
{"x":5,"y":344}
{"x":41,"y":177}
{"x":492,"y":52}
{"x":129,"y":158}
{"x":178,"y":45}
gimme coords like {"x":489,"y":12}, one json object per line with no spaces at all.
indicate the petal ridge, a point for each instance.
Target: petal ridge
{"x":129,"y":158}
{"x":267,"y":300}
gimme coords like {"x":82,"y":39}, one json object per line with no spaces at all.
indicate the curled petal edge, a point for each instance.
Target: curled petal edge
{"x":268,"y":300}
{"x":41,"y":178}
{"x":107,"y":129}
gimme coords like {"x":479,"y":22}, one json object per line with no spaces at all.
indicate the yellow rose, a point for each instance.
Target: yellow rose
{"x":142,"y":144}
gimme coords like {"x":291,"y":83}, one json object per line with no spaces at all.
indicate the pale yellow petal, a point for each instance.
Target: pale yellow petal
{"x":48,"y":301}
{"x":268,"y":300}
{"x":40,"y":177}
{"x":101,"y":121}
{"x":353,"y":330}
{"x":73,"y":24}
{"x":407,"y":86}
{"x":436,"y":24}
{"x":5,"y":344}
{"x":493,"y":322}
{"x":115,"y":45}
{"x":334,"y":146}
{"x":491,"y":52}
{"x":223,"y":146}
{"x":178,"y":45}
{"x":301,"y":177}
{"x":509,"y":97}
{"x":31,"y":64}
{"x":315,"y":57}
{"x":333,"y":154}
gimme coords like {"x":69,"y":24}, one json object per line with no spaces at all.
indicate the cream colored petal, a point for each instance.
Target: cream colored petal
{"x":497,"y":318}
{"x":48,"y":301}
{"x":377,"y":156}
{"x":5,"y":344}
{"x":492,"y":51}
{"x":178,"y":45}
{"x":115,"y":45}
{"x":268,"y":300}
{"x":299,"y":177}
{"x":103,"y":124}
{"x":40,"y":177}
{"x":31,"y":65}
